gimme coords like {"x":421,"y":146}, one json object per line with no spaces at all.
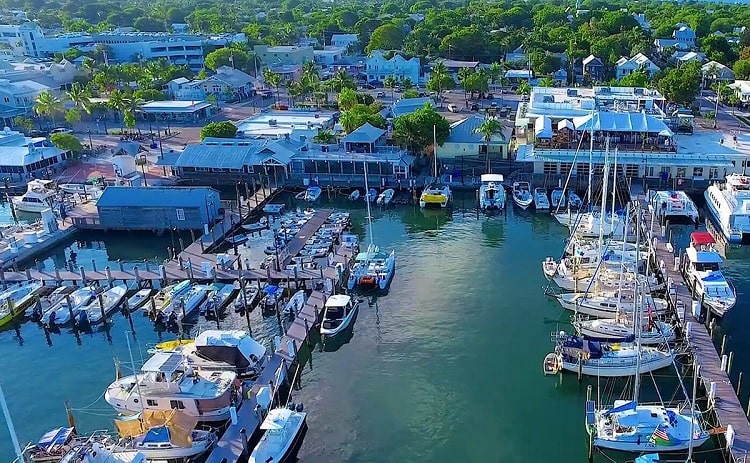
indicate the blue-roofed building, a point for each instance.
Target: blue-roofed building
{"x":363,"y":139}
{"x":464,"y":141}
{"x":406,"y":106}
{"x":157,"y":208}
{"x":23,"y":157}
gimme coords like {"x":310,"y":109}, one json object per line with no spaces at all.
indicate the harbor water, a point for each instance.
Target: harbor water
{"x":446,"y":367}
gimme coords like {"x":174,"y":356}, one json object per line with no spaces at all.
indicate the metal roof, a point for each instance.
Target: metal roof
{"x":121,"y":196}
{"x":250,"y":153}
{"x":366,"y":133}
{"x":463,"y":131}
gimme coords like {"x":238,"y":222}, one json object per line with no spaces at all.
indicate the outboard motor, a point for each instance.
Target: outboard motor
{"x":52,"y":317}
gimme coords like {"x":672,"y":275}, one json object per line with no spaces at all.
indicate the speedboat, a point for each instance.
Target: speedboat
{"x":354,"y":195}
{"x":338,"y":314}
{"x":39,"y":196}
{"x":295,"y":303}
{"x":522,"y":194}
{"x":491,"y":192}
{"x":35,"y":313}
{"x":164,"y":298}
{"x":557,"y":198}
{"x":237,"y":239}
{"x":271,"y":298}
{"x":313,"y":193}
{"x":60,"y":313}
{"x":729,"y":205}
{"x":675,"y":206}
{"x":574,"y":201}
{"x":372,"y":269}
{"x":183,"y":306}
{"x":372,"y":195}
{"x":435,"y":194}
{"x":703,"y":275}
{"x":385,"y":197}
{"x":541,"y":202}
{"x":140,"y":298}
{"x":14,"y":302}
{"x":103,"y":304}
{"x":163,"y":435}
{"x":246,"y":298}
{"x":217,"y":299}
{"x":168,"y":381}
{"x":283,"y":428}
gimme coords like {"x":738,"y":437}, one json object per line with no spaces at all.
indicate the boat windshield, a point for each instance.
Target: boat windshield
{"x":334,"y":313}
{"x":706,"y":266}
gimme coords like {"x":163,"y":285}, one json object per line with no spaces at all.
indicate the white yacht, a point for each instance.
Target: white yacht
{"x":82,"y":189}
{"x":39,"y":196}
{"x":167,"y":381}
{"x":522,"y":194}
{"x":541,"y":201}
{"x":491,"y":192}
{"x":729,"y":205}
{"x":702,"y":270}
{"x":607,"y":304}
{"x":338,"y":314}
{"x":675,"y":206}
{"x":621,"y":329}
{"x":283,"y":428}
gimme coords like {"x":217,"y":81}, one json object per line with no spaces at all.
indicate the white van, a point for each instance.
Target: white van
{"x":452,"y":108}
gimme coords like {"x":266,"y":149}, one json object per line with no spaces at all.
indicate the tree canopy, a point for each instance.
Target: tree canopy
{"x":681,"y":85}
{"x":227,"y":56}
{"x":67,"y":142}
{"x":224,"y":129}
{"x":415,"y":130}
{"x":360,"y":114}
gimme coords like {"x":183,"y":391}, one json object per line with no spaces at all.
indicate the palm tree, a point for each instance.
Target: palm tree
{"x":406,"y":83}
{"x":272,"y":79}
{"x":465,"y":77}
{"x":546,"y":82}
{"x":487,"y":130}
{"x":47,"y":104}
{"x":494,"y":73}
{"x":439,"y":74}
{"x":77,"y":94}
{"x":325,"y":137}
{"x":390,"y":82}
{"x":295,"y":90}
{"x":119,"y":102}
{"x":341,"y":80}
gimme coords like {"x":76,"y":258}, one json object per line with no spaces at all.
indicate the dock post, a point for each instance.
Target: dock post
{"x":580,"y":368}
{"x":307,"y":333}
{"x":82,"y":272}
{"x":2,"y":278}
{"x":591,"y":436}
{"x":190,"y":269}
{"x":28,"y":274}
{"x":724,"y":363}
{"x":192,"y":235}
{"x":182,"y":245}
{"x":179,"y":261}
{"x":723,"y":344}
{"x":119,"y":263}
{"x":739,"y":384}
{"x":243,"y":433}
{"x":93,"y":264}
{"x":37,"y":266}
{"x":57,"y":276}
{"x":108,"y":271}
{"x":101,"y":307}
{"x":137,"y":276}
{"x":163,"y":273}
{"x":69,"y":302}
{"x":729,"y":364}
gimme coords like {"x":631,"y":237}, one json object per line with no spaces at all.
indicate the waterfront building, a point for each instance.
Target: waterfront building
{"x":23,"y":157}
{"x":558,"y":123}
{"x":639,"y":62}
{"x":284,"y":54}
{"x":176,"y":110}
{"x":381,"y":64}
{"x":157,"y":208}
{"x":283,"y":124}
{"x":464,"y":141}
{"x":406,"y":106}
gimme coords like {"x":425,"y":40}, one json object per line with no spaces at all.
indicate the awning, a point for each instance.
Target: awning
{"x":620,"y":122}
{"x":565,"y":124}
{"x":543,"y":127}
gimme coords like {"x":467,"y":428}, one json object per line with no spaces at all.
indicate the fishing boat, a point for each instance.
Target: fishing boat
{"x":140,"y":298}
{"x":81,"y":189}
{"x":271,"y":298}
{"x":522,"y":194}
{"x":354,"y":195}
{"x":703,"y":275}
{"x":217,"y":299}
{"x":246,"y":298}
{"x":574,"y":201}
{"x":541,"y":202}
{"x":168,"y":381}
{"x":15,"y":301}
{"x":435,"y":193}
{"x":40,"y":195}
{"x":338,"y":314}
{"x":164,"y":297}
{"x":557,"y":198}
{"x":491,"y":192}
{"x":163,"y":435}
{"x":295,"y":303}
{"x":675,"y":206}
{"x":385,"y":197}
{"x":60,"y":313}
{"x":729,"y":206}
{"x":283,"y":428}
{"x":184,"y":305}
{"x":102,"y":304}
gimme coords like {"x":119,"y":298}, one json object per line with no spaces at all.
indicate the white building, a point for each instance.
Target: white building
{"x":378,"y":67}
{"x":23,"y":156}
{"x":742,"y":89}
{"x":639,"y":62}
{"x":329,"y":55}
{"x":344,"y":40}
{"x":18,"y":97}
{"x":684,"y":35}
{"x":714,"y":70}
{"x":682,"y":57}
{"x":293,"y":124}
{"x":284,"y":54}
{"x":22,"y":38}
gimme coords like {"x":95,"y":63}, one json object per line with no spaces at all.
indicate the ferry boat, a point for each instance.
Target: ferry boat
{"x":522,"y":194}
{"x":491,"y":192}
{"x":675,"y":206}
{"x":702,"y":270}
{"x":39,"y":196}
{"x":729,"y":206}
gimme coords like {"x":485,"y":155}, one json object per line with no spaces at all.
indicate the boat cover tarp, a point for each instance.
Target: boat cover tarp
{"x":620,"y":122}
{"x":648,"y":458}
{"x":271,"y":289}
{"x":160,"y":426}
{"x":575,"y":345}
{"x":702,"y":238}
{"x":543,"y":127}
{"x":158,"y":435}
{"x":235,"y":347}
{"x":54,"y":437}
{"x":276,"y":418}
{"x":623,"y":407}
{"x":714,"y":277}
{"x":629,"y":338}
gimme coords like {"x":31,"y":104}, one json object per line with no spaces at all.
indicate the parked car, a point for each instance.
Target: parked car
{"x":380,"y":95}
{"x":60,"y":130}
{"x":488,"y":96}
{"x":474,"y":107}
{"x":453,"y":108}
{"x":422,"y":94}
{"x":368,"y":86}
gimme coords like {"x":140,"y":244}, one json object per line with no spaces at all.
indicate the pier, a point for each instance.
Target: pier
{"x":714,"y":367}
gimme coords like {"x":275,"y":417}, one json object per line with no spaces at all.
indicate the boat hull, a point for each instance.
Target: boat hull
{"x":618,"y":368}
{"x":341,"y":327}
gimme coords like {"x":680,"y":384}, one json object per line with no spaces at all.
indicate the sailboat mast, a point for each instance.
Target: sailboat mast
{"x":434,"y":148}
{"x":11,"y":428}
{"x":591,"y":163}
{"x":614,"y":190}
{"x":638,"y":313}
{"x":367,"y":201}
{"x":605,"y":176}
{"x":135,"y":372}
{"x":696,"y":371}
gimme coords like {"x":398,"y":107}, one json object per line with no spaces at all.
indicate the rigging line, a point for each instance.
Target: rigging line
{"x":92,"y":403}
{"x":570,"y":173}
{"x":661,"y":401}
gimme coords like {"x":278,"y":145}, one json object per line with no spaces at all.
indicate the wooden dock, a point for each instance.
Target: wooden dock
{"x":723,"y":400}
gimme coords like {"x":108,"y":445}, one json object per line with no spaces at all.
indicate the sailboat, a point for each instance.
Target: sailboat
{"x":372,"y":268}
{"x":163,"y":435}
{"x":435,"y":193}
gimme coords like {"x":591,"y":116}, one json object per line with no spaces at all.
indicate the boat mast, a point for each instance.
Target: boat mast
{"x":637,"y":319}
{"x":11,"y":428}
{"x":367,"y":201}
{"x":614,"y":192}
{"x":434,"y":148}
{"x":591,"y":163}
{"x":135,"y":372}
{"x":696,"y":371}
{"x":605,"y":177}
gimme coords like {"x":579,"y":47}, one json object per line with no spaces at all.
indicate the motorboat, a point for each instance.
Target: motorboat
{"x":673,"y":206}
{"x":237,"y":239}
{"x":435,"y":194}
{"x":139,"y":299}
{"x":621,"y":329}
{"x":385,"y":197}
{"x":608,"y":304}
{"x":81,"y":189}
{"x":222,"y":349}
{"x":163,"y":435}
{"x":372,"y":268}
{"x":168,"y":381}
{"x":271,"y":298}
{"x":102,"y":304}
{"x":338,"y":314}
{"x":15,"y":301}
{"x":70,"y":305}
{"x":372,"y":195}
{"x":354,"y":195}
{"x":64,"y":445}
{"x":522,"y":194}
{"x":541,"y":202}
{"x":574,"y":201}
{"x":217,"y":299}
{"x":557,"y":198}
{"x":491,"y":192}
{"x":35,"y":313}
{"x":295,"y":303}
{"x":313,"y":193}
{"x":164,"y":298}
{"x":40,"y":195}
{"x":729,"y":206}
{"x":246,"y":298}
{"x":283,"y":428}
{"x":703,"y":275}
{"x":595,"y":358}
{"x":183,"y":305}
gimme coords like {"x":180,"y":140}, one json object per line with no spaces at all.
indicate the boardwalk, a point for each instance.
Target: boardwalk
{"x":725,"y":402}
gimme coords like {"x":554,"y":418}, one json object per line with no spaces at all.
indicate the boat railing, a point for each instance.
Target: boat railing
{"x":79,"y":445}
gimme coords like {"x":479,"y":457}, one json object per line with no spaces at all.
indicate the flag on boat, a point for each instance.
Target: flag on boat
{"x":661,"y":436}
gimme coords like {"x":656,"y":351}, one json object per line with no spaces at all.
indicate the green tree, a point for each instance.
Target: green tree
{"x":634,"y":79}
{"x":386,"y":37}
{"x":25,"y":124}
{"x":410,"y":93}
{"x":681,"y":85}
{"x":227,"y":56}
{"x":72,"y":116}
{"x":741,"y":69}
{"x":348,"y":98}
{"x":146,"y":24}
{"x":129,"y":120}
{"x":544,"y":63}
{"x":47,"y":104}
{"x":718,"y":49}
{"x":78,"y":95}
{"x":440,"y":80}
{"x":467,"y":83}
{"x":488,"y":129}
{"x":390,"y":83}
{"x":149,"y":94}
{"x":272,"y":79}
{"x":405,"y":83}
{"x":546,"y":82}
{"x":67,"y":142}
{"x":341,"y":80}
{"x":360,"y":114}
{"x":325,"y":137}
{"x":224,"y":129}
{"x":523,"y":88}
{"x":415,"y":130}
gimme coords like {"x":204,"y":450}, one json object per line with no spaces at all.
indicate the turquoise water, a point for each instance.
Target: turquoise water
{"x":447,"y":367}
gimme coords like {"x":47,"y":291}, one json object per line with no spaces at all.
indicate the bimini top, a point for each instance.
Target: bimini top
{"x":492,"y":178}
{"x":703,"y":257}
{"x":57,"y":436}
{"x":701,"y":238}
{"x":338,"y":300}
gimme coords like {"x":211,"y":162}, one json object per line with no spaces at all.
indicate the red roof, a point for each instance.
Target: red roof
{"x":702,"y":237}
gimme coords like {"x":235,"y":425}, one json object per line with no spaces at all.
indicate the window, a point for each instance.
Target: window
{"x":650,"y":171}
{"x":181,"y":214}
{"x":176,"y":404}
{"x":680,"y":172}
{"x":582,"y":168}
{"x":598,"y":169}
{"x":631,"y":170}
{"x":698,"y":172}
{"x":550,"y":167}
{"x":151,"y":403}
{"x":665,"y":170}
{"x":713,"y":173}
{"x":565,"y":167}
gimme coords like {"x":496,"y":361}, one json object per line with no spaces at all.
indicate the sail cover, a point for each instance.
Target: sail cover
{"x":175,"y":425}
{"x":630,"y":405}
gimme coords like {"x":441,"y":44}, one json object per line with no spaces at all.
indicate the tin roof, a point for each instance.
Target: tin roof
{"x":121,"y":196}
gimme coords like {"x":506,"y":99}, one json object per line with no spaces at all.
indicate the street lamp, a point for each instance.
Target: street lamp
{"x":144,"y":160}
{"x":91,"y":143}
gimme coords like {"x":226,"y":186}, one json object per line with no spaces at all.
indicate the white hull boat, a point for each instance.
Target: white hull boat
{"x":729,"y":205}
{"x":59,"y":314}
{"x":435,"y":195}
{"x":703,"y":275}
{"x":522,"y":195}
{"x":81,"y":189}
{"x":313,"y":193}
{"x":14,"y":301}
{"x":246,"y":298}
{"x":339,"y":312}
{"x":110,"y":299}
{"x":653,"y":332}
{"x":372,"y":269}
{"x":184,"y":305}
{"x":283,"y":429}
{"x":557,"y":198}
{"x":354,"y":195}
{"x":385,"y":197}
{"x":541,"y":202}
{"x":672,"y":205}
{"x":139,"y":299}
{"x":295,"y":303}
{"x":491,"y":192}
{"x":216,"y":300}
{"x":40,"y":195}
{"x":574,"y":201}
{"x":156,"y":444}
{"x":164,"y":298}
{"x":607,"y":306}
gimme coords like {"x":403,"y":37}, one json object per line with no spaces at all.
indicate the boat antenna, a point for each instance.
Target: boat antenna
{"x":434,"y":148}
{"x":135,"y":372}
{"x":11,"y":428}
{"x":367,"y":201}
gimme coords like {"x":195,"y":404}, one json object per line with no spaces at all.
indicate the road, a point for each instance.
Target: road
{"x":724,"y":116}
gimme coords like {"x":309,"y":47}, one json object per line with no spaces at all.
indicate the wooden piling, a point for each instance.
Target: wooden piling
{"x":119,"y":263}
{"x":723,"y":344}
{"x":739,"y":384}
{"x":93,"y":265}
{"x":69,"y":302}
{"x":108,"y":271}
{"x":729,"y":364}
{"x":101,"y":308}
{"x":137,"y":276}
{"x":2,"y":278}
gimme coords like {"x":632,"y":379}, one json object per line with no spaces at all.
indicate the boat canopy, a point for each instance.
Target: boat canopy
{"x":160,"y":426}
{"x":277,"y":418}
{"x":57,"y":436}
{"x":235,"y":347}
{"x":338,"y":300}
{"x":703,"y":257}
{"x":164,"y":362}
{"x":629,"y":405}
{"x":486,"y":178}
{"x":271,"y":289}
{"x":702,"y":238}
{"x":575,"y":345}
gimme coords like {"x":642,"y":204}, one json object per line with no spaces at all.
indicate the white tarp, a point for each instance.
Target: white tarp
{"x":543,"y":127}
{"x":620,"y":122}
{"x":565,"y":124}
